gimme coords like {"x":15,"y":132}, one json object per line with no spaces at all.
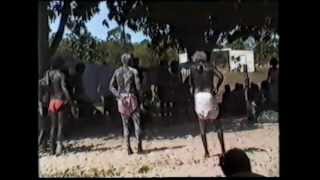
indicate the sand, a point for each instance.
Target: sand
{"x":170,"y":151}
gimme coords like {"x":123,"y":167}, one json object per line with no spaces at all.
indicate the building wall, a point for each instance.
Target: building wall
{"x":246,"y":57}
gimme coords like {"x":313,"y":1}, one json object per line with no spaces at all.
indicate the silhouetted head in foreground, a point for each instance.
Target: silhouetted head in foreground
{"x":235,"y":163}
{"x":238,"y":87}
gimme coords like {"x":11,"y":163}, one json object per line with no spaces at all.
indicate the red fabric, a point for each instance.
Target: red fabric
{"x":56,"y":105}
{"x":127,"y":104}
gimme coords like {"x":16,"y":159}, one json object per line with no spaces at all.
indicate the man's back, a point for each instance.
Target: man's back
{"x":125,"y":79}
{"x":55,"y":80}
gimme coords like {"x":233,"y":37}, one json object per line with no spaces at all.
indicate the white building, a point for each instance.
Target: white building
{"x":235,"y":58}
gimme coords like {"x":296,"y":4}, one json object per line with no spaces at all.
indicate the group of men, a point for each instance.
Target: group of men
{"x":125,"y":85}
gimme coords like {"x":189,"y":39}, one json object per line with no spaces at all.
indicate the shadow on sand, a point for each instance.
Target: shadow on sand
{"x":91,"y":148}
{"x":111,"y":129}
{"x":147,"y":151}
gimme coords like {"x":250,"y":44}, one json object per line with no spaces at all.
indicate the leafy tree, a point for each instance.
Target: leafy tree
{"x":237,"y":44}
{"x":145,"y":54}
{"x":117,"y":35}
{"x":74,"y":14}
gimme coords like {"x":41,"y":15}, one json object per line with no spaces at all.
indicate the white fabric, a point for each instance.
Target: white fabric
{"x":206,"y":105}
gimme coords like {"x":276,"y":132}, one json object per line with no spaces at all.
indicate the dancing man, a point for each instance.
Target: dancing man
{"x":55,"y":80}
{"x":125,"y":86}
{"x":204,"y":90}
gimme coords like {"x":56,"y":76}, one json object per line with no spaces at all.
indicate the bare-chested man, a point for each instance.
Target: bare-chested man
{"x":55,"y":80}
{"x":204,"y":90}
{"x":125,"y":85}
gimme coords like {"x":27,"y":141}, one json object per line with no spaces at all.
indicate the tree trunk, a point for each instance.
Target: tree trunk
{"x":123,"y":36}
{"x":59,"y":35}
{"x":43,"y":35}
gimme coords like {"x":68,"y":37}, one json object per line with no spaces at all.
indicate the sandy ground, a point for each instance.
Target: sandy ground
{"x":174,"y":151}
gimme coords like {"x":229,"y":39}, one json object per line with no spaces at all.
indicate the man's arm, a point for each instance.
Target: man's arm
{"x":137,"y":80}
{"x":112,"y":85}
{"x":190,"y":80}
{"x":137,"y":84}
{"x":64,"y":87}
{"x":44,"y":81}
{"x":219,"y":76}
{"x":40,"y":108}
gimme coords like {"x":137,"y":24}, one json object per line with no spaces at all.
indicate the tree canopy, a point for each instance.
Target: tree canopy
{"x":169,"y":24}
{"x":196,"y":24}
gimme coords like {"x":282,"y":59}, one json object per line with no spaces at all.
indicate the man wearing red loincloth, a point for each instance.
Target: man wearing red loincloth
{"x":55,"y":80}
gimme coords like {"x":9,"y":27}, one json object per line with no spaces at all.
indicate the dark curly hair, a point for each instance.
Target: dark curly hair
{"x":235,"y":161}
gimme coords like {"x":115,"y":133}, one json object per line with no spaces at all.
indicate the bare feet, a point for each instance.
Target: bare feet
{"x":59,"y":149}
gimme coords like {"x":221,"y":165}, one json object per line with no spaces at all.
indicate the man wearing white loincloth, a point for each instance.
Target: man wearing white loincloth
{"x":203,"y":87}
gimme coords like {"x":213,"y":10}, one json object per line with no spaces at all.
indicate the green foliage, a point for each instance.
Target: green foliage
{"x":88,"y":49}
{"x":237,"y":44}
{"x":85,"y":47}
{"x":145,"y":54}
{"x":115,"y":50}
{"x":118,"y":34}
{"x":263,"y":51}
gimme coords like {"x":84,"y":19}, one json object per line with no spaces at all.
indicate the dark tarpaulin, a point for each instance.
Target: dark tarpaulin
{"x":96,"y":75}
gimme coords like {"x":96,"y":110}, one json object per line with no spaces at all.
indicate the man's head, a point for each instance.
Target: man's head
{"x":227,"y":88}
{"x":174,"y":66}
{"x":199,"y":56}
{"x":237,"y":86}
{"x":125,"y":59}
{"x":235,"y":161}
{"x":135,"y":62}
{"x":163,"y":63}
{"x":80,"y":68}
{"x":273,"y":62}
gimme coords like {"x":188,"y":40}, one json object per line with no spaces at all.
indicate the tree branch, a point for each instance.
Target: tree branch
{"x":58,"y":37}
